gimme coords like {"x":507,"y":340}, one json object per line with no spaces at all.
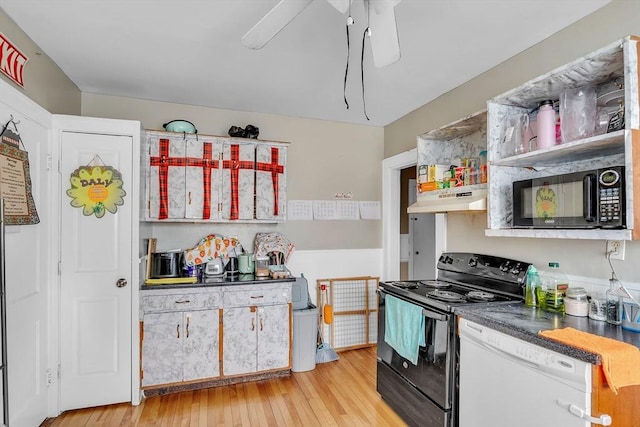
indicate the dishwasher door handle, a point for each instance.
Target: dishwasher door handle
{"x":603,"y":419}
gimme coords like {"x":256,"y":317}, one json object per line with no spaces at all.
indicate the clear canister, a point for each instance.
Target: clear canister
{"x":262,"y":266}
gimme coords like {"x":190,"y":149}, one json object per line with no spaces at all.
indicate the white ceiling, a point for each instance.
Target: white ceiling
{"x":189,"y":51}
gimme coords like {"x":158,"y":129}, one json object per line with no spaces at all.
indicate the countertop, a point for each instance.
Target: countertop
{"x":523,"y":322}
{"x":240,"y":279}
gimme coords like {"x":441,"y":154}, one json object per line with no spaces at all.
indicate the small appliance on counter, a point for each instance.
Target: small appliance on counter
{"x":166,"y":264}
{"x":231,"y":269}
{"x":214,"y":268}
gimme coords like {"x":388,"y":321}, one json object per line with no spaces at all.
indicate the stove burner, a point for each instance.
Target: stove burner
{"x":445,"y":295}
{"x":405,"y":285}
{"x":435,"y":284}
{"x":480,"y":296}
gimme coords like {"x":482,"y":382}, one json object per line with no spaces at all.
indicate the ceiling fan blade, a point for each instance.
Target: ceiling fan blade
{"x":384,"y":33}
{"x":341,"y":5}
{"x":274,"y":21}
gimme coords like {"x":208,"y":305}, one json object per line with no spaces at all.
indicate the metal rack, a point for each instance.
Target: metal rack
{"x":355,"y":311}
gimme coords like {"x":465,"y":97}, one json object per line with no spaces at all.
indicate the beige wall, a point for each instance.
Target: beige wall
{"x":44,"y":82}
{"x":466,"y":231}
{"x":324,"y":158}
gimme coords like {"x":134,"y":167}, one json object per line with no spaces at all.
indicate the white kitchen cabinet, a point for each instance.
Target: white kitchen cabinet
{"x":162,"y":354}
{"x":180,"y":346}
{"x":180,"y":336}
{"x":256,"y":330}
{"x":201,"y":178}
{"x":616,"y":62}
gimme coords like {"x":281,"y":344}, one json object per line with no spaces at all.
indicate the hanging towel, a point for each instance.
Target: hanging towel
{"x":620,"y":361}
{"x":404,"y":327}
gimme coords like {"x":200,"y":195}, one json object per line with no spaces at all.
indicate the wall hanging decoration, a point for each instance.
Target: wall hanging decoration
{"x":96,"y":188}
{"x":12,"y":60}
{"x":15,"y":179}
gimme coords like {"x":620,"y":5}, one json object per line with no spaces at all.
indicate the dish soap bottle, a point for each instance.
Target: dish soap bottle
{"x":614,"y":302}
{"x":532,"y":287}
{"x":556,"y":284}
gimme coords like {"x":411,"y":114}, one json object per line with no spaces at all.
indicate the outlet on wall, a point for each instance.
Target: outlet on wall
{"x":616,"y":249}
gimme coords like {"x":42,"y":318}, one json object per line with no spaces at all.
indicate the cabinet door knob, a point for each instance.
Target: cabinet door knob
{"x":121,"y":282}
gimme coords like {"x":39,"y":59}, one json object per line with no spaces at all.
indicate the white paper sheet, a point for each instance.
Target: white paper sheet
{"x":370,"y":210}
{"x":324,"y":210}
{"x":347,"y":210}
{"x":300,"y":210}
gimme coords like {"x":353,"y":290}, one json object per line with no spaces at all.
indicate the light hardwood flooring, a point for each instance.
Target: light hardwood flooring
{"x":340,"y":393}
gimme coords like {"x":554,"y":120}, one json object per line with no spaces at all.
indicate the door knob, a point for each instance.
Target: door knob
{"x":121,"y":283}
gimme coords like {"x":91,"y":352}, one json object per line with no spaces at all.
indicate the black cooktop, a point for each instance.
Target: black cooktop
{"x":443,"y":295}
{"x":465,"y":278}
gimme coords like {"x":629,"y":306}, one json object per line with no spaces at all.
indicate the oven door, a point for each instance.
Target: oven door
{"x":434,"y":375}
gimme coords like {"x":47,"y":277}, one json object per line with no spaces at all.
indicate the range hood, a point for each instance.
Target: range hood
{"x":450,"y":201}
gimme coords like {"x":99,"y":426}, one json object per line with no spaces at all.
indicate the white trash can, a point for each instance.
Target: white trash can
{"x":305,"y":339}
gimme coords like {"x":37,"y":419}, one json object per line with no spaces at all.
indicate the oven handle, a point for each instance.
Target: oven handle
{"x":434,"y":315}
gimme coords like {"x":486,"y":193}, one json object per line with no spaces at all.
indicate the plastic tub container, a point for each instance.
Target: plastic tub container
{"x":576,"y":302}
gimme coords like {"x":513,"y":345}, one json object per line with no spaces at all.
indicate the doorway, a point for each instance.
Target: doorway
{"x":422,"y":232}
{"x":391,"y":170}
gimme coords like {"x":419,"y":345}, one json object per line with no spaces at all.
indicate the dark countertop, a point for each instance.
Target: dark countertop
{"x":241,"y":279}
{"x":523,"y":322}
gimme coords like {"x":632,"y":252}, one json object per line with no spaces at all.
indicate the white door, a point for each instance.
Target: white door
{"x":422,"y":241}
{"x":95,"y":313}
{"x":30,"y":274}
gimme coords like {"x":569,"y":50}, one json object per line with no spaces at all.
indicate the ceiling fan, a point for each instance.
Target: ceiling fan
{"x":382,"y":28}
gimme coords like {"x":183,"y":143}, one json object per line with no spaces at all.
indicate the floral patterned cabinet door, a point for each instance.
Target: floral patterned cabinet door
{"x":271,"y":182}
{"x":203,"y":178}
{"x":166,"y":176}
{"x":238,"y":180}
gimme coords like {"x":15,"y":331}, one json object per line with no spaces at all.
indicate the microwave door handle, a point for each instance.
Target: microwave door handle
{"x":589,"y":197}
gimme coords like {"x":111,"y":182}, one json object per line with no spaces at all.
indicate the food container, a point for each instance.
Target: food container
{"x":576,"y":302}
{"x":262,"y":266}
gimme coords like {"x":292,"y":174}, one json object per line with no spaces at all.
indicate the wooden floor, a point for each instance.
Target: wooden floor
{"x":340,"y":393}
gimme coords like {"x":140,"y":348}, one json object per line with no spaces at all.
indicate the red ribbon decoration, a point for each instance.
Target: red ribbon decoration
{"x":234,"y":164}
{"x":275,"y":169}
{"x":163,"y":161}
{"x":206,"y":163}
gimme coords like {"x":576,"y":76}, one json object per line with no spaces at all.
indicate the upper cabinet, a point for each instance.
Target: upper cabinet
{"x":199,"y":178}
{"x":450,"y":167}
{"x":613,"y":72}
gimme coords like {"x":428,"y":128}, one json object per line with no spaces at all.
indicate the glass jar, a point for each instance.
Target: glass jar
{"x":614,"y":302}
{"x":598,"y":306}
{"x":262,"y":266}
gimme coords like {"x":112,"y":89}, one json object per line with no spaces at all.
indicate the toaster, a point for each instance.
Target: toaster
{"x":215,"y":267}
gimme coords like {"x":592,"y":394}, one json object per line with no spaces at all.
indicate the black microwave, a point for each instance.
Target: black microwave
{"x":589,"y":199}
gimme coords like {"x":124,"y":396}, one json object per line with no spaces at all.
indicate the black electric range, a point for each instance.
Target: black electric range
{"x":424,"y":390}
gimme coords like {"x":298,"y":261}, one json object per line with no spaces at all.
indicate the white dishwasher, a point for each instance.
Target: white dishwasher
{"x":507,"y":382}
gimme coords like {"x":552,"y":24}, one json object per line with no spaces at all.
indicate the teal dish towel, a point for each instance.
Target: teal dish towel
{"x":404,"y":327}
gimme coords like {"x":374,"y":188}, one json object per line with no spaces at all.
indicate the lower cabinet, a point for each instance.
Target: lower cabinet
{"x":180,"y":346}
{"x":624,"y":407}
{"x":203,"y":334}
{"x":255,"y":338}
